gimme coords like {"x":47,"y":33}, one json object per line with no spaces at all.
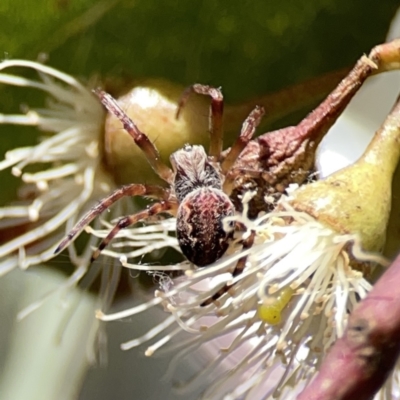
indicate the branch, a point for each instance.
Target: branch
{"x":285,"y":101}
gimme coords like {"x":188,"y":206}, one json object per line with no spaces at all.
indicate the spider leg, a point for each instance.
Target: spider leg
{"x":127,"y":190}
{"x":246,"y":134}
{"x":140,"y":138}
{"x":216,"y":114}
{"x":247,"y":243}
{"x":163,"y":206}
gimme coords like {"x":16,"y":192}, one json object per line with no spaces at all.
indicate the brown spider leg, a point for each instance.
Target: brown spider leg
{"x":216,"y":114}
{"x":246,"y":134}
{"x":157,"y":208}
{"x":247,"y":243}
{"x":140,"y":138}
{"x":127,"y":190}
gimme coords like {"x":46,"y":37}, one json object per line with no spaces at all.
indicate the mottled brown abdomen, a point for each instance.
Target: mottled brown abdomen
{"x":199,"y":225}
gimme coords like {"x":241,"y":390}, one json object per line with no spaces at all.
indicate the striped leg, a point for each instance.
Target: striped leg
{"x":246,"y":134}
{"x":127,"y":190}
{"x":140,"y":138}
{"x":216,"y":115}
{"x":169,"y":206}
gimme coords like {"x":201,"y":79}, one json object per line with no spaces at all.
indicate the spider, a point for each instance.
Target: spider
{"x":199,"y":187}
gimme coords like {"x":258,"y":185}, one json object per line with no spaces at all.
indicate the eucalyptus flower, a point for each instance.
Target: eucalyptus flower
{"x":69,"y":177}
{"x":61,"y":176}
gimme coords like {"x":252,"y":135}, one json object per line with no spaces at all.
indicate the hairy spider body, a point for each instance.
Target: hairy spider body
{"x":197,"y":196}
{"x":203,"y":206}
{"x":193,"y":170}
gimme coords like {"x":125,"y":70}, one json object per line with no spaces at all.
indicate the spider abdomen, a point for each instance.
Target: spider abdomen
{"x":200,"y":231}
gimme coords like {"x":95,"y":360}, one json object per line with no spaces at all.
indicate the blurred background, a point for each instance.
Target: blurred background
{"x":249,"y":48}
